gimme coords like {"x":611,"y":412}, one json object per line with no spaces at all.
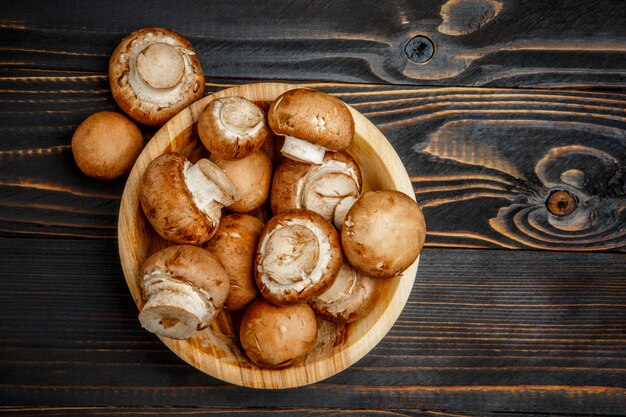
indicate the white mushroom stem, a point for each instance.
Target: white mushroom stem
{"x":302,"y":151}
{"x":210,"y":188}
{"x":164,"y":83}
{"x":160,"y":65}
{"x":174,"y":308}
{"x":238,"y":117}
{"x":341,"y":210}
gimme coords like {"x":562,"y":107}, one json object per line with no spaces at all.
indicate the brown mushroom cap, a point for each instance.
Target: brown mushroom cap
{"x":251,"y":176}
{"x":315,"y":187}
{"x":154,"y":73}
{"x":350,"y":298}
{"x":184,"y":287}
{"x":232,"y":127}
{"x":183,"y":201}
{"x":313,"y":116}
{"x":383,"y":233}
{"x":105,"y":145}
{"x":276,"y":337}
{"x":298,"y":256}
{"x":234,"y":244}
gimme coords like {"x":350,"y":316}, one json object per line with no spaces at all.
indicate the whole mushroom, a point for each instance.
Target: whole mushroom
{"x":383,"y":233}
{"x":298,"y":256}
{"x":183,"y":201}
{"x":184,"y":287}
{"x":154,"y":73}
{"x":311,"y":122}
{"x":105,"y":145}
{"x":251,"y":176}
{"x":276,"y":337}
{"x":234,"y":244}
{"x":232,"y":127}
{"x":349,"y":299}
{"x":316,"y":187}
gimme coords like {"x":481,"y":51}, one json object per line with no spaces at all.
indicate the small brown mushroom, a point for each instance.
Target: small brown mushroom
{"x":276,"y":337}
{"x":251,"y":177}
{"x":312,"y":122}
{"x":316,"y":187}
{"x":234,"y":244}
{"x":105,"y":145}
{"x":383,"y":233}
{"x":298,"y":256}
{"x":154,"y":73}
{"x":350,"y":298}
{"x":184,"y":287}
{"x":232,"y":127}
{"x":182,"y":201}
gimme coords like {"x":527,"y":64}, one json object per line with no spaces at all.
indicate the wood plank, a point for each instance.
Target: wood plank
{"x":236,"y":412}
{"x":491,"y":331}
{"x":484,"y":161}
{"x":479,"y":42}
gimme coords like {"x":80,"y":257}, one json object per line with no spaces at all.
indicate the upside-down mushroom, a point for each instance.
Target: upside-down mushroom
{"x":155,"y":73}
{"x":350,"y":298}
{"x":316,"y":187}
{"x":312,"y":122}
{"x":184,"y":287}
{"x":183,"y":201}
{"x":232,"y":127}
{"x":298,"y":256}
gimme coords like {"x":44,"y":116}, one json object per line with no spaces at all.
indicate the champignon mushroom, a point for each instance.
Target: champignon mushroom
{"x":154,"y":73}
{"x":350,"y":298}
{"x":234,"y":244}
{"x":184,"y":287}
{"x":232,"y":127}
{"x":383,"y":233}
{"x":341,"y":210}
{"x":276,"y":337}
{"x":105,"y":145}
{"x":312,"y":122}
{"x":251,"y":176}
{"x":298,"y":256}
{"x":182,"y":201}
{"x":316,"y":187}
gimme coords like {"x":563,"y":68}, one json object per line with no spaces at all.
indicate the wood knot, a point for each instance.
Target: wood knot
{"x":561,"y":203}
{"x":420,"y":49}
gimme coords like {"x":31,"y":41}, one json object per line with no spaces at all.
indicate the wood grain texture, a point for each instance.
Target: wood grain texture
{"x":483,"y":161}
{"x":483,"y":332}
{"x":502,"y":43}
{"x":256,"y":412}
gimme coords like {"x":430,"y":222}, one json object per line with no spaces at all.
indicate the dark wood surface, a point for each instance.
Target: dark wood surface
{"x":515,"y":310}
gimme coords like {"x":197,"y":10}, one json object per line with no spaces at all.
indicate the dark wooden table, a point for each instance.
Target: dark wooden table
{"x":515,"y":310}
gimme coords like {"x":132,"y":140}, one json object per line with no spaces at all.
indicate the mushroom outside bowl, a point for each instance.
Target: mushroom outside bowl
{"x":216,"y":350}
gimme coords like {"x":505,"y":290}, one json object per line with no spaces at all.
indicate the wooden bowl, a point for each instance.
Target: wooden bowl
{"x":216,"y":350}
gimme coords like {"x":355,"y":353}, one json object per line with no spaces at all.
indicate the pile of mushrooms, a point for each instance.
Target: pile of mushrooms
{"x":323,"y":251}
{"x":320,"y":255}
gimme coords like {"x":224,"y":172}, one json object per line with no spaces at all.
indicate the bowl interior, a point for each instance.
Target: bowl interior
{"x":216,"y":350}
